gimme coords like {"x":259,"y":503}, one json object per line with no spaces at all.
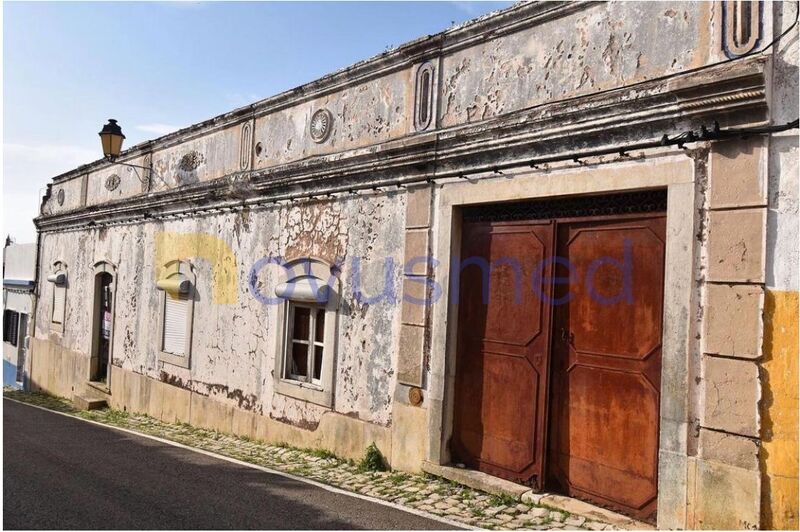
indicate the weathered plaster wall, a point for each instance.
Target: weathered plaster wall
{"x":208,"y":157}
{"x":364,"y":114}
{"x":71,"y":190}
{"x":233,"y":345}
{"x":599,"y":48}
{"x":102,"y":186}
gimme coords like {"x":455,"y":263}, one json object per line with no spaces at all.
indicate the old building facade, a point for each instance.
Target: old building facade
{"x":19,"y":273}
{"x":369,"y":258}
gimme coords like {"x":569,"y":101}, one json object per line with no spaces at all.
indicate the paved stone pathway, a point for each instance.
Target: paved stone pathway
{"x":427,"y":493}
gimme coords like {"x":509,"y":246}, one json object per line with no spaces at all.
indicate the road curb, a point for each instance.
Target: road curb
{"x":263,"y":469}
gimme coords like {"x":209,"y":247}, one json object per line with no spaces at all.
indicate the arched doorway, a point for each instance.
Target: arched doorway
{"x":102,"y":323}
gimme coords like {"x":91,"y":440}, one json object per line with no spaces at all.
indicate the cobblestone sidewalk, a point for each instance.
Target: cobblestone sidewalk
{"x":434,"y":495}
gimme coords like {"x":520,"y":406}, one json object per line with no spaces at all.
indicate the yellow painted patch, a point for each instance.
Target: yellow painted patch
{"x":181,"y":246}
{"x":779,"y":412}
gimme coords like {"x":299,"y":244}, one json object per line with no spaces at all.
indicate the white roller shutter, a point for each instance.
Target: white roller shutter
{"x":59,"y":300}
{"x":176,"y":312}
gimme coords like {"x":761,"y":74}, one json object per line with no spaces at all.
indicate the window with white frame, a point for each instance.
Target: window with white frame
{"x":306,"y":343}
{"x":307,"y":319}
{"x":177,"y":282}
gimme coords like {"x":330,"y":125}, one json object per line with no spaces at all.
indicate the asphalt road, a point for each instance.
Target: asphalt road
{"x":60,"y":472}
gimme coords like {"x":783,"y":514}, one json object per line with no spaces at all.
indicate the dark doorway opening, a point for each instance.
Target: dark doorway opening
{"x":103,"y":319}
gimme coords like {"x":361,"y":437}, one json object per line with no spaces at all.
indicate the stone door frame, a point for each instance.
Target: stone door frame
{"x":670,"y":170}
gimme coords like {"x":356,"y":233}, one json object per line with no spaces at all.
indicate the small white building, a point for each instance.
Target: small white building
{"x":19,"y":267}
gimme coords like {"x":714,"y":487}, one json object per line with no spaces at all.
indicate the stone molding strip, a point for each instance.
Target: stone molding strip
{"x":513,"y":19}
{"x":733,"y":93}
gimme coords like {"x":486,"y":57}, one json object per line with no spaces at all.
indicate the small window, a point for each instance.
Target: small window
{"x":177,"y":282}
{"x":306,"y":347}
{"x":10,"y":327}
{"x":307,"y":318}
{"x":59,"y":304}
{"x":176,"y":310}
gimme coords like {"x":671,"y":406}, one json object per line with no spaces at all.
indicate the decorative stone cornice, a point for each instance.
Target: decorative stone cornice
{"x":732,"y":93}
{"x":492,"y":25}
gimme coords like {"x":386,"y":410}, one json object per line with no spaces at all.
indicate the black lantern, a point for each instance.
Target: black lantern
{"x":111,"y":137}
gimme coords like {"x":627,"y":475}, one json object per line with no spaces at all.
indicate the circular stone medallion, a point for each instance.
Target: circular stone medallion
{"x":112,"y":182}
{"x":60,"y":196}
{"x":321,"y":125}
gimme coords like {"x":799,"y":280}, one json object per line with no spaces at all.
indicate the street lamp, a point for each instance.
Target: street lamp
{"x":111,"y":136}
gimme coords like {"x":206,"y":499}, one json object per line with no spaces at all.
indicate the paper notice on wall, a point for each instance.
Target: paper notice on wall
{"x":106,"y":328}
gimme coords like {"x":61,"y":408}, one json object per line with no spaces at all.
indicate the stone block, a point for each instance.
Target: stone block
{"x":737,"y":173}
{"x":729,"y":449}
{"x":416,"y":257}
{"x":418,"y":207}
{"x":83,"y":402}
{"x":410,"y":353}
{"x":119,"y":388}
{"x":673,"y":487}
{"x":732,"y":392}
{"x":210,"y":414}
{"x":155,"y":398}
{"x":733,"y":324}
{"x":727,"y":497}
{"x":409,"y":437}
{"x":175,"y":404}
{"x":415,"y":300}
{"x":138,"y":393}
{"x":243,"y":423}
{"x":736,"y":245}
{"x":347,"y":437}
{"x":476,"y":479}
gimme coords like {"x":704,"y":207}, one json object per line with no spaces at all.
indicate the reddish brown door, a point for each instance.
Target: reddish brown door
{"x":502,"y":354}
{"x":607,"y":362}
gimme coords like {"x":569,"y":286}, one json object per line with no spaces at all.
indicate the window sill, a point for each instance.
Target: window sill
{"x":305,"y":391}
{"x":176,"y":360}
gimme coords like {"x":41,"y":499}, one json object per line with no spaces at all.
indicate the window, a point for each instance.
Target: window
{"x":176,"y":308}
{"x":59,"y":303}
{"x":306,"y":346}
{"x":307,"y":318}
{"x":10,"y":327}
{"x":177,"y":281}
{"x":424,"y":95}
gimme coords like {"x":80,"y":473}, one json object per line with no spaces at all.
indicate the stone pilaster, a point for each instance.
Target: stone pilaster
{"x":727,"y":476}
{"x":416,"y":288}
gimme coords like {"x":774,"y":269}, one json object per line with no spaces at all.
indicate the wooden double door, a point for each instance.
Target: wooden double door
{"x":559,"y":354}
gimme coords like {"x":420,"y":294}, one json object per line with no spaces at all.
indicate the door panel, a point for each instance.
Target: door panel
{"x":502,"y":353}
{"x":607,"y":362}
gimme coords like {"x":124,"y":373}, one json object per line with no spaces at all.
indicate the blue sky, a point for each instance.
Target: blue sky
{"x":159,"y":66}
